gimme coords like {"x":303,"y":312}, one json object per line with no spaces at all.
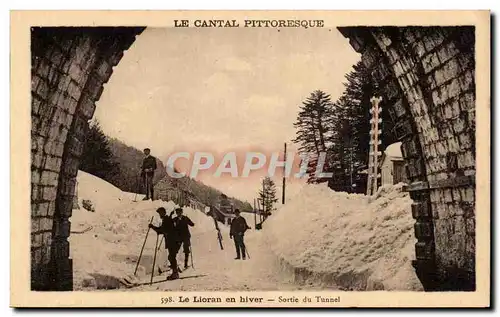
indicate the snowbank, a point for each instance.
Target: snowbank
{"x":346,"y":241}
{"x":103,"y":195}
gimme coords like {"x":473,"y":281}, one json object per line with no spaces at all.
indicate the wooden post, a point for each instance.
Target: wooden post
{"x":254,"y":215}
{"x":284,"y":181}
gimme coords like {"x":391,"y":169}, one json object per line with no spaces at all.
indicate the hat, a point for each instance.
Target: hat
{"x":236,"y":211}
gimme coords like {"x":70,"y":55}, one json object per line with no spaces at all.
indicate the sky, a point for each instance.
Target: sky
{"x":221,"y":90}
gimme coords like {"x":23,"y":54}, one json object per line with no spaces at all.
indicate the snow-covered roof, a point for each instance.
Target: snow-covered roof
{"x":394,"y":150}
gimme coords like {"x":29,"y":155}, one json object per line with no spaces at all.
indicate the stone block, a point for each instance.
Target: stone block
{"x":470,"y":251}
{"x":104,"y":70}
{"x":452,"y":88}
{"x":453,"y":145}
{"x":36,"y":240}
{"x":49,"y":178}
{"x":46,"y":224}
{"x":467,"y":101}
{"x":433,"y":40}
{"x":73,"y":90}
{"x":421,"y":210}
{"x":115,"y":58}
{"x":424,"y":250}
{"x":87,"y":107}
{"x":35,"y":225}
{"x":57,"y":56}
{"x":49,"y":193}
{"x":467,"y":82}
{"x":423,"y":230}
{"x":43,"y":89}
{"x":75,"y":146}
{"x":447,"y":52}
{"x":55,"y":97}
{"x":409,"y":148}
{"x":420,"y":49}
{"x":459,"y":125}
{"x":35,"y":79}
{"x":62,"y":228}
{"x":70,"y":167}
{"x":43,"y":69}
{"x":64,"y":82}
{"x":60,"y":249}
{"x":77,"y":74}
{"x":465,"y":141}
{"x":441,"y":148}
{"x":40,"y":209}
{"x":430,"y":62}
{"x":470,"y":226}
{"x":80,"y":127}
{"x":52,"y":163}
{"x":465,"y":160}
{"x":466,"y":61}
{"x":67,"y":186}
{"x":65,"y":206}
{"x":448,"y":195}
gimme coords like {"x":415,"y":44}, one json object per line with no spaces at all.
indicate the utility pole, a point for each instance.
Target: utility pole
{"x":375,"y":132}
{"x":263,"y":199}
{"x":284,"y":181}
{"x":351,"y":159}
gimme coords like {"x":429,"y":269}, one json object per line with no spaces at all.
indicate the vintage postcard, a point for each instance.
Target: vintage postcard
{"x":250,"y":159}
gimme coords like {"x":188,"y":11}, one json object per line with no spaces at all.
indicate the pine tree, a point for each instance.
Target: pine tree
{"x":314,"y":127}
{"x":267,"y":195}
{"x":97,"y":158}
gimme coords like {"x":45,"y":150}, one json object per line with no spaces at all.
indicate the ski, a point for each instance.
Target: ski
{"x":131,"y":284}
{"x":219,"y":234}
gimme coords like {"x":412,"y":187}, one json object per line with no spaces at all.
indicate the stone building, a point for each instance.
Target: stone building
{"x":392,"y":165}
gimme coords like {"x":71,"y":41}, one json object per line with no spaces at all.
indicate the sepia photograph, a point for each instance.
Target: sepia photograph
{"x":255,"y":159}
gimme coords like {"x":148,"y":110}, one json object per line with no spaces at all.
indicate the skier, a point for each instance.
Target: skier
{"x":147,"y":172}
{"x":238,"y":228}
{"x":172,"y":241}
{"x":182,"y":224}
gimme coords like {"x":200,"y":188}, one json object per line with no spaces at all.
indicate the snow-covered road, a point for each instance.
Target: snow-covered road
{"x":110,"y":249}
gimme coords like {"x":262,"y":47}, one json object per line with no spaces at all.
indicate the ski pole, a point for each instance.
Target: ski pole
{"x":136,"y":187}
{"x":246,"y":250}
{"x":191,"y":251}
{"x":142,"y":249}
{"x":159,"y":246}
{"x":154,"y":261}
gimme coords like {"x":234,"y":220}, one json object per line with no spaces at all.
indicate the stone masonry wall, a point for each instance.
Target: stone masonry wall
{"x":433,"y":73}
{"x":69,"y":68}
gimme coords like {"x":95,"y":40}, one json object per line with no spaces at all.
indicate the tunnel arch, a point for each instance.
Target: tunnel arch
{"x":427,"y":82}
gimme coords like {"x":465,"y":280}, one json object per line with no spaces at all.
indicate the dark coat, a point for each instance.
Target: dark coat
{"x":149,"y":163}
{"x":167,"y":228}
{"x":182,"y":226}
{"x":238,"y":226}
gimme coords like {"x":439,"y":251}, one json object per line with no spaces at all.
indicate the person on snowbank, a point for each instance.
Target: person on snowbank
{"x":182,"y":224}
{"x":238,"y":228}
{"x":147,"y":172}
{"x":172,"y":240}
